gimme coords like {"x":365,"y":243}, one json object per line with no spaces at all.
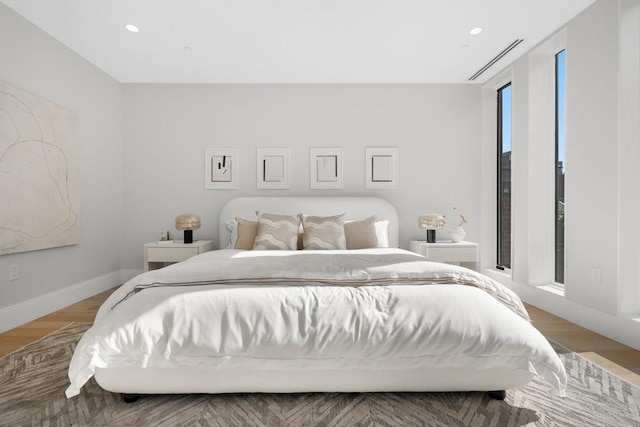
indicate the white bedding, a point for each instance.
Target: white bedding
{"x":370,"y":309}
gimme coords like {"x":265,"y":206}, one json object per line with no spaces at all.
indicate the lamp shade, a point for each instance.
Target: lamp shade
{"x":187,"y":222}
{"x":431,"y":221}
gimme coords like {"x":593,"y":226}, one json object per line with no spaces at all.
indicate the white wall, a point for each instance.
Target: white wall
{"x":629,"y":159}
{"x":33,"y":61}
{"x":592,"y":156}
{"x":168,"y":127}
{"x":602,"y":190}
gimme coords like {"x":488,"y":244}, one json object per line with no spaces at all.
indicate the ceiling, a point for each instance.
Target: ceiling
{"x":297,"y":41}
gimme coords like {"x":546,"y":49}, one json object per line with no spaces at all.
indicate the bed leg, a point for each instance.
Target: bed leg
{"x":130,"y":398}
{"x":497,"y":394}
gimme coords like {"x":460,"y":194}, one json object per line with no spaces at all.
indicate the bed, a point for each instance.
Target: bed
{"x":369,"y":318}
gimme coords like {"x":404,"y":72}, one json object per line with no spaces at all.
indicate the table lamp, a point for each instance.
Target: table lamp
{"x":188,"y":223}
{"x":431,"y":223}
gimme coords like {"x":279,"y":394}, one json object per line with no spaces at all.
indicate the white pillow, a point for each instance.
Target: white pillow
{"x":382,"y":233}
{"x":232,"y":227}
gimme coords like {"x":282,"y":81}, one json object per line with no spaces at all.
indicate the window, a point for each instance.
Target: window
{"x":504,"y":178}
{"x":560,"y":165}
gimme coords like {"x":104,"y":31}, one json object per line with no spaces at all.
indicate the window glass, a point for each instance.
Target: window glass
{"x":560,"y":166}
{"x":504,"y":177}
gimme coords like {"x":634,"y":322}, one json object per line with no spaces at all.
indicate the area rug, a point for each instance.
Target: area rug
{"x":33,"y":380}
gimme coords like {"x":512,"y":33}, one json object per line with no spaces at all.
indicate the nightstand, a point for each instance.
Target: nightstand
{"x":159,"y":254}
{"x":463,"y":253}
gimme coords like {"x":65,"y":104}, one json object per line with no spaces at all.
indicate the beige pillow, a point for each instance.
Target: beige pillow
{"x":247,"y":231}
{"x":361,"y":234}
{"x":323,"y":232}
{"x":277,"y":232}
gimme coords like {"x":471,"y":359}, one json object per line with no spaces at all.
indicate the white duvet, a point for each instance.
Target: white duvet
{"x":265,"y":310}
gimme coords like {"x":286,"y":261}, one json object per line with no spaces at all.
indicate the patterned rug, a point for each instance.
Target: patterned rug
{"x":33,"y":380}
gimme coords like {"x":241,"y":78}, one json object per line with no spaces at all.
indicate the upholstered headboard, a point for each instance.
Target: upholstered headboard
{"x":354,"y":207}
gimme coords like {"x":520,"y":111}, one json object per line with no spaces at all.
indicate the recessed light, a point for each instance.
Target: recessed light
{"x":132,"y":28}
{"x":475,"y":31}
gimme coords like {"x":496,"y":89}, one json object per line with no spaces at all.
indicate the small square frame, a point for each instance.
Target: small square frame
{"x":381,"y":168}
{"x":325,"y":166}
{"x":221,"y":169}
{"x":273,"y":169}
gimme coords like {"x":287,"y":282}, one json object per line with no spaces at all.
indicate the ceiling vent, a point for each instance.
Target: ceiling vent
{"x":496,"y":59}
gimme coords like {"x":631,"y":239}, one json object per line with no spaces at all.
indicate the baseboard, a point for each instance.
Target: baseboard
{"x":618,"y":328}
{"x":24,"y":312}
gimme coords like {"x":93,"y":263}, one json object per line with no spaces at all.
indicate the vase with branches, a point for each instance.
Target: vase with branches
{"x":454,"y":224}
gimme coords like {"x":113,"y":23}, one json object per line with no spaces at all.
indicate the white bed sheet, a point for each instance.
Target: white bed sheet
{"x":405,"y":323}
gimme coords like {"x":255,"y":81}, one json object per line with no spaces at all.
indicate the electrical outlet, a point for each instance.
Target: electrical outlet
{"x":14,"y":272}
{"x":596,"y":275}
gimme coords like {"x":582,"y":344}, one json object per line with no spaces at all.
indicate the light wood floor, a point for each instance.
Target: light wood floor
{"x":613,"y":356}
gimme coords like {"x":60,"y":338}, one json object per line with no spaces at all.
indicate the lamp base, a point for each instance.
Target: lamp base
{"x":431,"y":236}
{"x":188,"y":236}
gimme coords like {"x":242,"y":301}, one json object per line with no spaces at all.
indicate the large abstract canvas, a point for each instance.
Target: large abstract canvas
{"x":39,"y":173}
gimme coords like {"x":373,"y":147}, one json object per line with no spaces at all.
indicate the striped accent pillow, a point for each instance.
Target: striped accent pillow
{"x":277,"y":232}
{"x":323,"y":232}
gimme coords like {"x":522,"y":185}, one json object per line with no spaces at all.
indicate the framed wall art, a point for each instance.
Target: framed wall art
{"x":325,"y":166}
{"x":273,"y":168}
{"x":40,"y":173}
{"x":221,"y":169}
{"x":381,"y":168}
